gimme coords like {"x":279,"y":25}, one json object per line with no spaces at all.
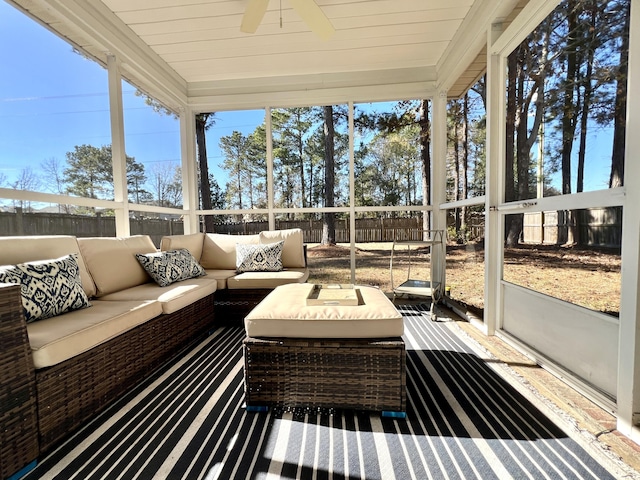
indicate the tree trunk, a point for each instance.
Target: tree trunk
{"x":616,"y":179}
{"x":522,"y":140}
{"x":586,"y":102}
{"x":519,"y":140}
{"x":522,"y":159}
{"x":511,"y":227}
{"x":568,"y":110}
{"x":239,"y":190}
{"x":250,"y":180}
{"x":328,"y":219}
{"x":205,"y":187}
{"x":303,"y":192}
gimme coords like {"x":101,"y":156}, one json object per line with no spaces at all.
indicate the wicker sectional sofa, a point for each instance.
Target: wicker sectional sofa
{"x":238,"y":293}
{"x":59,"y":372}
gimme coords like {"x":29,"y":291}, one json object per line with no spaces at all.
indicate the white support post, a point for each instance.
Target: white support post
{"x":628,"y":394}
{"x":439,"y":183}
{"x":494,"y":184}
{"x":118,"y":152}
{"x":189,"y":171}
{"x":270,"y":200}
{"x":352,"y":197}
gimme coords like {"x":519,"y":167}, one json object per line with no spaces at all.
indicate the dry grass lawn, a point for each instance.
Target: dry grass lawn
{"x":586,"y":277}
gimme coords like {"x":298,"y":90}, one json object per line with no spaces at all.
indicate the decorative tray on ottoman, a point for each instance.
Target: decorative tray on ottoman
{"x":334,"y":294}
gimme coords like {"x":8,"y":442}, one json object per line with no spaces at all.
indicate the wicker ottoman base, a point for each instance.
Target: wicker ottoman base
{"x":361,"y":374}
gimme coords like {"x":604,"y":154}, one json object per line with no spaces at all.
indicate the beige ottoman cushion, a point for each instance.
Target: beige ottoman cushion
{"x":267,"y":280}
{"x":284,"y":313}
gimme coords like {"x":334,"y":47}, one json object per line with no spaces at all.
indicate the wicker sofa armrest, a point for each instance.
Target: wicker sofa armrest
{"x":18,"y":421}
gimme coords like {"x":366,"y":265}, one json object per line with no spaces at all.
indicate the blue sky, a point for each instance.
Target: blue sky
{"x":52,"y":99}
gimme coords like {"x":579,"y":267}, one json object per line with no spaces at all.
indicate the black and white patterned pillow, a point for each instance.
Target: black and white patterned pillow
{"x":170,"y":266}
{"x":259,"y":258}
{"x":48,"y":287}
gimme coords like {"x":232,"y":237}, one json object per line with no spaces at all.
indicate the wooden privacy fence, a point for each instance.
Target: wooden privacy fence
{"x":367,"y":229}
{"x":593,"y":227}
{"x":19,"y":223}
{"x":596,"y":227}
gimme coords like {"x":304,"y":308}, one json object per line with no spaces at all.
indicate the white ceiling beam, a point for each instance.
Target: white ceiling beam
{"x":532,"y":14}
{"x":286,"y":65}
{"x":313,"y":81}
{"x":320,"y":89}
{"x":470,"y":38}
{"x":299,"y":98}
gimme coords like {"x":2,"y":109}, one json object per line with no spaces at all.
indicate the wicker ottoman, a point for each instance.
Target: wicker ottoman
{"x":322,"y":361}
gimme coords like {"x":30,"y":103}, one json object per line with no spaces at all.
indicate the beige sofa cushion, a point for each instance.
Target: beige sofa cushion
{"x":219,"y":250}
{"x":173,"y":297}
{"x":57,"y":339}
{"x":112,"y":262}
{"x":284,"y":313}
{"x":248,"y":280}
{"x":192,"y":242}
{"x":293,"y":250}
{"x":14,"y":250}
{"x":221,"y":276}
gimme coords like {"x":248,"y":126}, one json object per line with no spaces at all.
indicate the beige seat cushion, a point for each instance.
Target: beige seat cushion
{"x":192,"y":242}
{"x":15,"y":250}
{"x":269,"y":280}
{"x":112,"y":262}
{"x":219,"y":250}
{"x":57,"y":339}
{"x":284,"y":313}
{"x":293,"y":249}
{"x":173,"y":297}
{"x":221,"y":276}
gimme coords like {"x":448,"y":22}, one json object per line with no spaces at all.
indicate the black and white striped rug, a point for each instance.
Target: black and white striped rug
{"x":463,"y":421}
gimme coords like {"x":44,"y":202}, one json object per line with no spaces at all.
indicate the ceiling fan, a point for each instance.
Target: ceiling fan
{"x":312,"y":15}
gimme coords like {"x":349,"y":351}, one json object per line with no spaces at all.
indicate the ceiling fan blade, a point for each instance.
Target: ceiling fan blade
{"x":314,"y":17}
{"x":253,"y":15}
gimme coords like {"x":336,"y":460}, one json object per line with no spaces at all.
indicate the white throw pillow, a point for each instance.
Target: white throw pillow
{"x":259,"y":258}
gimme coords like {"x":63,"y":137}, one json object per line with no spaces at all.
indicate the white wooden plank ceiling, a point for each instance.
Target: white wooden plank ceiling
{"x":195,"y":49}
